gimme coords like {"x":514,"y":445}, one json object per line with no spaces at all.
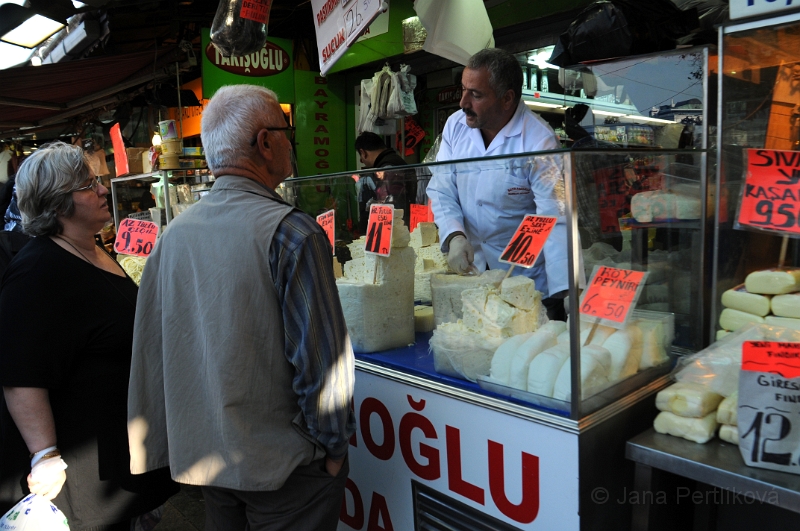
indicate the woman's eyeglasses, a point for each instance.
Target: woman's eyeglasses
{"x":93,"y":186}
{"x":286,"y":129}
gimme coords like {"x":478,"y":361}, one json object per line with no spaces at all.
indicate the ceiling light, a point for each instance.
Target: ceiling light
{"x":36,"y":60}
{"x":24,"y":27}
{"x":542,"y":104}
{"x":606,"y":113}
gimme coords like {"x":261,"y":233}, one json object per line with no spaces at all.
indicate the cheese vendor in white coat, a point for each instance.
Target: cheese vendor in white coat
{"x":478,"y":206}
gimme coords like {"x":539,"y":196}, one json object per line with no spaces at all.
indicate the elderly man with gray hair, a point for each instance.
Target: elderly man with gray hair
{"x":242,"y":371}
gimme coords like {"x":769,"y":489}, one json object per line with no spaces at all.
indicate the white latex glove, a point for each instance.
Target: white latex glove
{"x":47,"y":477}
{"x":461,"y":255}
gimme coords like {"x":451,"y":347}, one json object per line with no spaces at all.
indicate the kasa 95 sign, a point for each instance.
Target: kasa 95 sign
{"x":771,"y":193}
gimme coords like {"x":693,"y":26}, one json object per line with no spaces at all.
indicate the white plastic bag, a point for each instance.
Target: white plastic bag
{"x":34,"y":513}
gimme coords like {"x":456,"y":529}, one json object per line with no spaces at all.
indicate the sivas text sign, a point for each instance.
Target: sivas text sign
{"x":771,"y":192}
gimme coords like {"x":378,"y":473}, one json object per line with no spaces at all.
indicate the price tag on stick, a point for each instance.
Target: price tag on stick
{"x":610,"y":295}
{"x":136,"y":237}
{"x":771,"y":192}
{"x":327,"y":220}
{"x":379,"y":230}
{"x":526,"y":244}
{"x":769,"y":405}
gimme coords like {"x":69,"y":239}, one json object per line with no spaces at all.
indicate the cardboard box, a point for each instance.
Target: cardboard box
{"x":135,"y":159}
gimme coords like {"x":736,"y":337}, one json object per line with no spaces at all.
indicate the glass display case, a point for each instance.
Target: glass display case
{"x":665,"y":235}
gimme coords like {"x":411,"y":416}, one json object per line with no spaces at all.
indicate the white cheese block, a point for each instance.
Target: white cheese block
{"x":473,"y":307}
{"x":786,"y":322}
{"x":659,"y":206}
{"x":653,"y":349}
{"x":733,"y":320}
{"x":424,"y":234}
{"x":698,"y":430}
{"x":722,"y":333}
{"x":434,"y":254}
{"x":519,"y":291}
{"x":400,"y":235}
{"x":595,"y":362}
{"x":446,"y":294}
{"x":773,"y":281}
{"x":338,"y":272}
{"x":544,"y":369}
{"x":601,"y":333}
{"x":729,"y":434}
{"x":786,"y":305}
{"x":423,"y":318}
{"x":541,"y":340}
{"x":501,"y":361}
{"x":688,"y":400}
{"x":728,"y":410}
{"x":625,"y":347}
{"x":378,"y":317}
{"x":739,"y":298}
{"x":563,"y":337}
{"x":466,"y":354}
{"x":422,"y":284}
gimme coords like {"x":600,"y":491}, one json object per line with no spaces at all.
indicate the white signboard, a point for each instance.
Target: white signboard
{"x":339,"y":23}
{"x":750,"y":8}
{"x":516,"y":471}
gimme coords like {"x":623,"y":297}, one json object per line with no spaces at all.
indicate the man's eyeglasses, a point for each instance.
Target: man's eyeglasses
{"x":93,"y":186}
{"x":288,"y":130}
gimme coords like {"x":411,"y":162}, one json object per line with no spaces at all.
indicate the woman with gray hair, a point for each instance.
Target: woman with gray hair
{"x":66,"y":323}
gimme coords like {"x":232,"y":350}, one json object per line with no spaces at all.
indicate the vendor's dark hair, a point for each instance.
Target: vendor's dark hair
{"x":369,"y":142}
{"x":505,"y":72}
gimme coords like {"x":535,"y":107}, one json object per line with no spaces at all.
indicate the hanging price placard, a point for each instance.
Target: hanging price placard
{"x":379,"y":230}
{"x":136,"y":237}
{"x":769,"y":405}
{"x":526,"y":244}
{"x":326,"y":220}
{"x":420,"y":214}
{"x":771,"y":192}
{"x":611,"y":295}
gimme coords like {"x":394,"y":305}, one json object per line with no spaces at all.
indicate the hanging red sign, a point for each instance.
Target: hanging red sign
{"x":771,"y":193}
{"x":257,"y":10}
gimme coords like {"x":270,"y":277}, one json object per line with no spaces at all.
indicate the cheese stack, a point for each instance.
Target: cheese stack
{"x":446,"y":292}
{"x":727,"y":417}
{"x":430,"y":259}
{"x":661,"y":205}
{"x":380,"y":315}
{"x":687,"y":410}
{"x":766,"y":297}
{"x":492,"y":312}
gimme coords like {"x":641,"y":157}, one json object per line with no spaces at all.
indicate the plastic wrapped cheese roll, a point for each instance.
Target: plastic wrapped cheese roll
{"x":773,"y":281}
{"x":601,"y":333}
{"x":653,"y":348}
{"x":786,"y":305}
{"x":688,"y":400}
{"x":501,"y":361}
{"x":733,"y":320}
{"x":722,"y":333}
{"x":728,"y":410}
{"x":698,"y":430}
{"x":729,"y":434}
{"x":544,"y":369}
{"x":595,"y":362}
{"x":625,"y":347}
{"x":541,"y":340}
{"x":786,"y":322}
{"x":739,"y":298}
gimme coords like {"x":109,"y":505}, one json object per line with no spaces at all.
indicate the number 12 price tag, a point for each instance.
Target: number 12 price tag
{"x":136,"y":237}
{"x":769,"y":405}
{"x":611,"y":294}
{"x":326,"y":220}
{"x":526,"y":244}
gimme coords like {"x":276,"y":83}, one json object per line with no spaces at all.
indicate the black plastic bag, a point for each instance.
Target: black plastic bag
{"x":240,"y":29}
{"x":619,"y":28}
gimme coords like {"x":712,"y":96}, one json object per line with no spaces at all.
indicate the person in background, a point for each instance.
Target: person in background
{"x":242,"y":376}
{"x":66,"y":327}
{"x":401,"y":185}
{"x":478,"y":211}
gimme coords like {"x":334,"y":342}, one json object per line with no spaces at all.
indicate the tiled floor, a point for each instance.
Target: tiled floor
{"x":184,"y":511}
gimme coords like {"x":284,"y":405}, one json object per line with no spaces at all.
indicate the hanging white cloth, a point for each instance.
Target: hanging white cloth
{"x":446,"y":22}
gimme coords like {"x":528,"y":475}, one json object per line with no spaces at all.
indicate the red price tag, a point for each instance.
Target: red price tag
{"x":420,"y":214}
{"x":527,"y":242}
{"x":611,"y":293}
{"x":120,"y":155}
{"x":257,"y":10}
{"x":326,"y":221}
{"x":136,"y":237}
{"x":772,"y":356}
{"x":771,"y":191}
{"x":379,"y":230}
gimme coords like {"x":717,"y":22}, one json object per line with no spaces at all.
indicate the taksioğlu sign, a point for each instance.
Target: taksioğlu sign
{"x":268,"y":61}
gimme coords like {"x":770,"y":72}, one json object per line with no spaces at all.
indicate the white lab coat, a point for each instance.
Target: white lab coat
{"x":487,"y":199}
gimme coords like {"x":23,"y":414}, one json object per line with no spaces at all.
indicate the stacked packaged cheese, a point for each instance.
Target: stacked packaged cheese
{"x":688,"y":410}
{"x":430,"y":259}
{"x":727,"y":417}
{"x":491,"y":311}
{"x":766,"y":297}
{"x":380,"y":314}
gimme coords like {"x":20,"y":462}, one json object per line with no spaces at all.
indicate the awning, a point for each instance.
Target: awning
{"x":44,"y":97}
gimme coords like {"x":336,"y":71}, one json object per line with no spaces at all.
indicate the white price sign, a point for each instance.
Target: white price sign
{"x":339,"y":23}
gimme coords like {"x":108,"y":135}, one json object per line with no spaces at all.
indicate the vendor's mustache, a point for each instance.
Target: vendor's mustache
{"x":469,"y":112}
